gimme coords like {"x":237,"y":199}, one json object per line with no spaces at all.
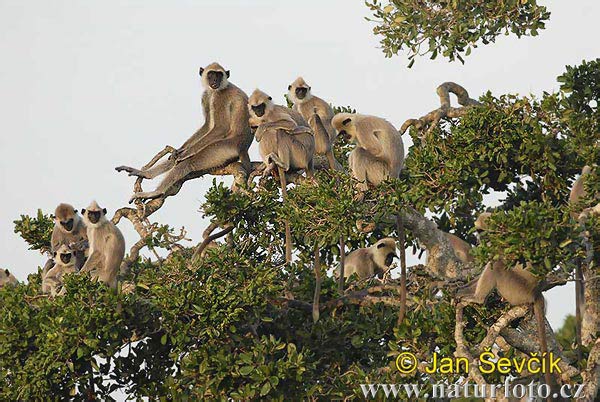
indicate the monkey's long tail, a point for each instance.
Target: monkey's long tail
{"x":342,"y":264}
{"x":538,"y":309}
{"x":288,"y":233}
{"x":402,"y":239}
{"x":317,"y":296}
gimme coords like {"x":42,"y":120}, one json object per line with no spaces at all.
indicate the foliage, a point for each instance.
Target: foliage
{"x":220,"y":327}
{"x":36,"y":231}
{"x":451,"y":28}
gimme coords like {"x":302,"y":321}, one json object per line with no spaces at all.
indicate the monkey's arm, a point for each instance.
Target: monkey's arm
{"x":370,"y":141}
{"x":219,"y":130}
{"x":202,"y":130}
{"x":91,"y":262}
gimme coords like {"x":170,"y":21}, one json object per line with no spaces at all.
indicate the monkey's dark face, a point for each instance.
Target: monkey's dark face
{"x":94,"y":216}
{"x":259,"y":110}
{"x":301,"y":92}
{"x":66,"y":257}
{"x":389,"y":259}
{"x":214,"y":79}
{"x":68,"y":224}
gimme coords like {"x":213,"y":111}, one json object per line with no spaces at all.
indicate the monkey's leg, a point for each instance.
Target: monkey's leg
{"x":111,"y":269}
{"x":245,"y":160}
{"x":149,"y":173}
{"x":216,"y":155}
{"x":288,"y":233}
{"x":92,"y":262}
{"x":358,"y":161}
{"x":477,"y":290}
{"x":333,"y":163}
{"x":158,"y":169}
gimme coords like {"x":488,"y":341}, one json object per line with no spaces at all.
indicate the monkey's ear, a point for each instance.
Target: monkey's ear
{"x":289,"y":87}
{"x":75,"y":211}
{"x":348,"y":120}
{"x":228,"y":73}
{"x":7,"y":272}
{"x":201,"y":71}
{"x":270,"y":98}
{"x":104,"y":211}
{"x":82,"y":211}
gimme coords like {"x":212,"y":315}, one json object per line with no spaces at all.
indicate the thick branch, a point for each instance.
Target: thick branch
{"x":431,"y":119}
{"x":463,"y":351}
{"x":500,"y":324}
{"x":442,"y":261}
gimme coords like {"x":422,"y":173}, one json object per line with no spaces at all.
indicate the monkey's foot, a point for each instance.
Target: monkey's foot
{"x":145,"y":196}
{"x":132,"y":171}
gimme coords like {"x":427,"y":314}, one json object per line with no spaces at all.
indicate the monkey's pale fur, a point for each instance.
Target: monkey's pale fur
{"x":578,"y":193}
{"x":64,"y":263}
{"x":517,"y":286}
{"x":282,"y":134}
{"x":461,"y":248}
{"x":318,"y":114}
{"x":224,"y":138}
{"x":7,"y":278}
{"x":107,"y":246}
{"x":69,"y":229}
{"x":368,"y":261}
{"x":379,"y":152}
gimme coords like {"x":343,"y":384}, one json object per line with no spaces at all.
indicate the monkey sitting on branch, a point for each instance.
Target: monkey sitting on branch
{"x":516,"y":285}
{"x":65,"y":260}
{"x":370,"y":261}
{"x":107,"y":246}
{"x":285,"y":141}
{"x":69,"y":229}
{"x":7,"y":278}
{"x":379,"y":155}
{"x":318,"y":114}
{"x":224,"y":138}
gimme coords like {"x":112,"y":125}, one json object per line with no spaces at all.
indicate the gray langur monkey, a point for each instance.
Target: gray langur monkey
{"x":69,"y":229}
{"x":64,"y":263}
{"x":578,"y":193}
{"x":461,"y":249}
{"x":224,"y":138}
{"x":7,"y":278}
{"x":107,"y":246}
{"x":379,"y":152}
{"x":369,"y":261}
{"x":517,"y":286}
{"x":283,"y":135}
{"x":379,"y":155}
{"x":318,"y":114}
{"x":284,"y":140}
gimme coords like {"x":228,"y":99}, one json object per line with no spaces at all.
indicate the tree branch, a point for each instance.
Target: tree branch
{"x":430,"y":121}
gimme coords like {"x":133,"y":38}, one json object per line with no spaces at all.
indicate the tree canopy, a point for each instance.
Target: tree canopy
{"x":236,"y":322}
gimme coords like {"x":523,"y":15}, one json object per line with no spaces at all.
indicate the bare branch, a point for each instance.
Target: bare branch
{"x":430,"y":121}
{"x":209,"y":239}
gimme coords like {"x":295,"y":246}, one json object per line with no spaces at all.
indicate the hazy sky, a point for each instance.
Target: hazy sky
{"x":87,"y":86}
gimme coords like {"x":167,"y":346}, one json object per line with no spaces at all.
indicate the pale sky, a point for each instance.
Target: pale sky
{"x":87,"y":86}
